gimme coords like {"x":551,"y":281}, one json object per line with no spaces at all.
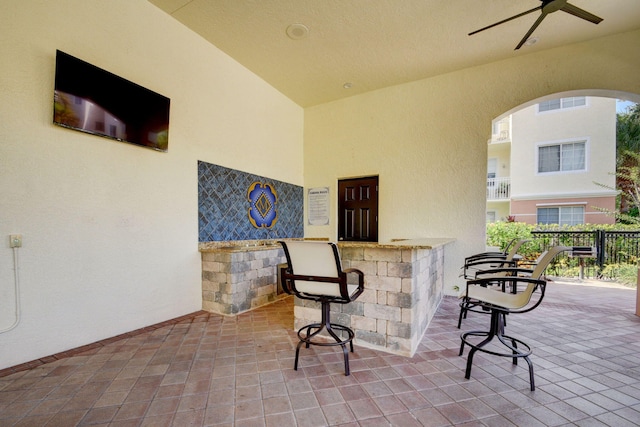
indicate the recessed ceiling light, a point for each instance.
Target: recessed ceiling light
{"x":531,"y":41}
{"x":347,"y":85}
{"x":297,"y":31}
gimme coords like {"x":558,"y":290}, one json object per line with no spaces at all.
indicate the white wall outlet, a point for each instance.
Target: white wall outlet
{"x":15,"y":240}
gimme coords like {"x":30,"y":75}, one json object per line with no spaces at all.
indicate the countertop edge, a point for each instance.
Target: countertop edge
{"x":423,"y":243}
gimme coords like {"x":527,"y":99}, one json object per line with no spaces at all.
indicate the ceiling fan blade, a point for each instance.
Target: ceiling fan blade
{"x":531,"y":30}
{"x":581,"y":13}
{"x":506,"y":20}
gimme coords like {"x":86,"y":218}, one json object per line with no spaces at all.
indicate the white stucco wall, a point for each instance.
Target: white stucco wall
{"x":594,"y":123}
{"x":501,"y":210}
{"x":110,"y":229}
{"x":502,"y":154}
{"x":427,"y":139}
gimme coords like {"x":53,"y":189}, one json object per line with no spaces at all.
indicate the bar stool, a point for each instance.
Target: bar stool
{"x":314,"y":272}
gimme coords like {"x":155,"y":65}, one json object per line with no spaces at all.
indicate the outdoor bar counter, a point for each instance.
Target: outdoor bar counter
{"x":404,"y":285}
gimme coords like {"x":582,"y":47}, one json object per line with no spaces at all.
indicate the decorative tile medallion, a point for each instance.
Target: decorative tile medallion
{"x":262,"y":209}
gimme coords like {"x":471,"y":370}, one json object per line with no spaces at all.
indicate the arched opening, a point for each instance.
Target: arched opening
{"x":552,"y":160}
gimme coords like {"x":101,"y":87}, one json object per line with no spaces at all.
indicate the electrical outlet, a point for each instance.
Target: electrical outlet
{"x":15,"y":240}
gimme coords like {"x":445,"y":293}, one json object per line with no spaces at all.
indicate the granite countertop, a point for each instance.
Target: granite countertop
{"x":263,"y":245}
{"x":423,"y":243}
{"x":238,"y":246}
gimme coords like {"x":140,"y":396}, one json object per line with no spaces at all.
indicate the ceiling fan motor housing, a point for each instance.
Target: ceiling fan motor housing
{"x":550,"y":6}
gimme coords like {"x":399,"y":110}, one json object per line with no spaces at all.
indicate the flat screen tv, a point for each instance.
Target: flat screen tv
{"x":92,"y":100}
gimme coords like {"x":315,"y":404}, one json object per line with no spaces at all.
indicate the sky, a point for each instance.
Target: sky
{"x":621,"y":105}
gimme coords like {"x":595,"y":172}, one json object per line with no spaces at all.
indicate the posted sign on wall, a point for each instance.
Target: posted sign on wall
{"x":319,"y":206}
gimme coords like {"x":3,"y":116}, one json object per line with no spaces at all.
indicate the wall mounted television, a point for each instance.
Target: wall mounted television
{"x":93,"y":100}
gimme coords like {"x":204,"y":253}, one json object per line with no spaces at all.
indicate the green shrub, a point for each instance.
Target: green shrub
{"x":627,"y":274}
{"x":501,"y":233}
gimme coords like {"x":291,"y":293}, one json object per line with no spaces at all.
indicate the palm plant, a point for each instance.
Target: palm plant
{"x":627,"y":166}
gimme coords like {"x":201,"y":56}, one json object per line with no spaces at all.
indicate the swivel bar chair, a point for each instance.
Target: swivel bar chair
{"x":501,"y":304}
{"x":314,"y":272}
{"x":489,"y":292}
{"x":469,"y":304}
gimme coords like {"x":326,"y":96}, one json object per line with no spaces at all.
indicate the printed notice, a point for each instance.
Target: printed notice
{"x":319,"y":206}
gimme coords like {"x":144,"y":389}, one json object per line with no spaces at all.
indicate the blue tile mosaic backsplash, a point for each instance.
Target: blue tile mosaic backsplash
{"x":224,"y":203}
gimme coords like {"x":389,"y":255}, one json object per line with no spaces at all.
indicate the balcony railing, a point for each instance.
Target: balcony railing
{"x":498,"y":188}
{"x":503,"y":136}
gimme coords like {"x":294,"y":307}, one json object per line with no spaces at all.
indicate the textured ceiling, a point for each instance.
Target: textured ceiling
{"x":373,"y":44}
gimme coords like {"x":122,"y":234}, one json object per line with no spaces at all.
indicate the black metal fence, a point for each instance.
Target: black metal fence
{"x":610,"y":247}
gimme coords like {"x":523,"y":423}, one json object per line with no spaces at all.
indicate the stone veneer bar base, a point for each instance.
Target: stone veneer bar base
{"x":404,"y":286}
{"x":236,"y":279}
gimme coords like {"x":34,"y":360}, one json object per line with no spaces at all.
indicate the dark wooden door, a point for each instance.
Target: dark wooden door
{"x":358,"y":209}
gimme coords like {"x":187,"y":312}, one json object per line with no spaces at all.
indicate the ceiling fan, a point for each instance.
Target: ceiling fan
{"x":547,"y":7}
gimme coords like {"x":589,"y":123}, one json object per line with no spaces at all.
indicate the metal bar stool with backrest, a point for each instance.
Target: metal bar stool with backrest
{"x":314,"y":272}
{"x":539,"y":266}
{"x":503,"y":252}
{"x":499,"y":304}
{"x":486,"y":260}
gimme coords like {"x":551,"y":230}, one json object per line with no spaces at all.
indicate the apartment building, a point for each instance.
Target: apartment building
{"x":546,"y":161}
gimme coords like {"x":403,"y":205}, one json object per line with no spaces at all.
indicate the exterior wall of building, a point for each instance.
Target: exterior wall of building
{"x":498,"y":211}
{"x":526,"y":210}
{"x":594,"y":123}
{"x":502,"y":153}
{"x":499,"y":162}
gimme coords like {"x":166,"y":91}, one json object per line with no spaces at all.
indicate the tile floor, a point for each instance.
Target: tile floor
{"x":208,"y":370}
